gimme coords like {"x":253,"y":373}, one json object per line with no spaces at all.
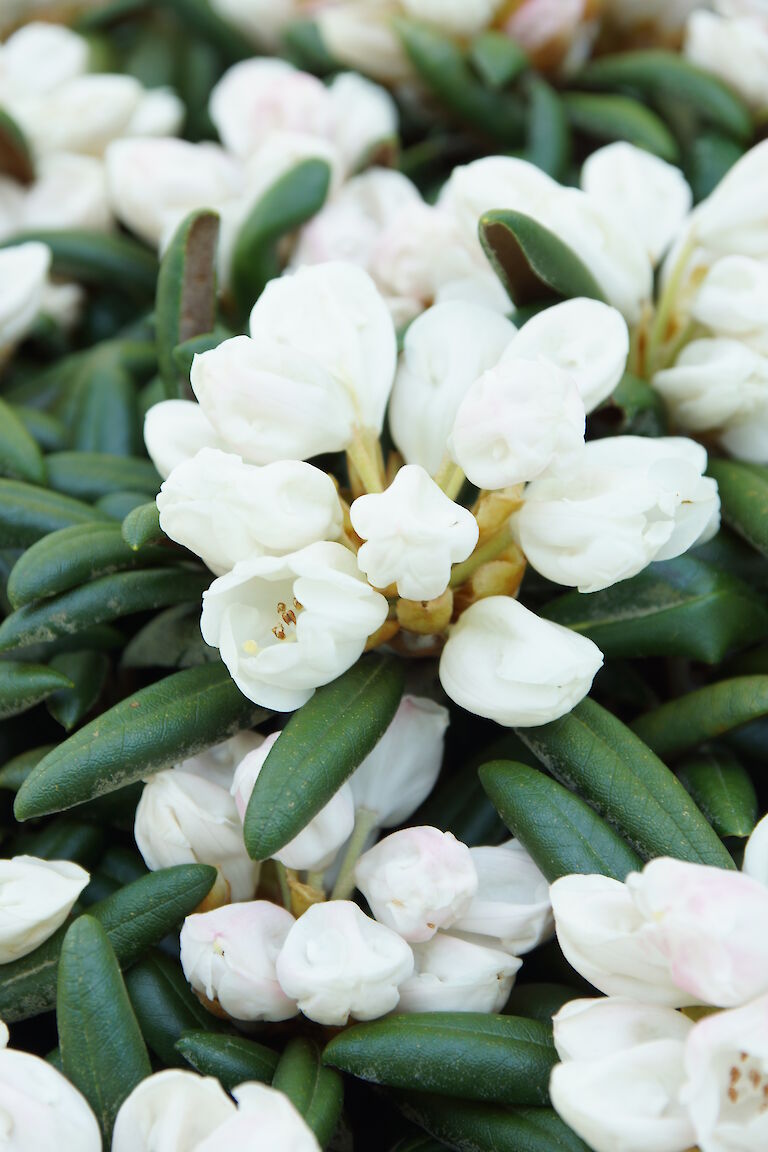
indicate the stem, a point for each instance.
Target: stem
{"x":282,"y":879}
{"x":666,"y":304}
{"x":449,"y":477}
{"x":365,"y":822}
{"x":488,"y":551}
{"x":365,"y":456}
{"x":315,"y":880}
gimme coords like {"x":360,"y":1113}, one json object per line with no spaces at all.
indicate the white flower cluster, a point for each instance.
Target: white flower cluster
{"x":636,"y":1073}
{"x":732,"y":44}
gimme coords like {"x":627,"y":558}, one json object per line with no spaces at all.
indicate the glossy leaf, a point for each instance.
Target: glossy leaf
{"x":708,"y":158}
{"x":684,"y":723}
{"x":91,"y":475}
{"x":165,"y":1005}
{"x":474,"y":1127}
{"x":24,"y":685}
{"x":100,"y":259}
{"x":558,"y":829}
{"x":232,"y":1060}
{"x":548,"y":136}
{"x":102,"y":1050}
{"x":315,"y":1091}
{"x":171,"y":639}
{"x":744,"y":496}
{"x":592,"y":752}
{"x":464,"y":1055}
{"x":185,"y":302}
{"x":612,"y":117}
{"x":87,"y":671}
{"x":540,"y":1001}
{"x":15,"y":771}
{"x":723,"y":789}
{"x":44,"y":428}
{"x":156,"y":727}
{"x":319,"y":748}
{"x":20,"y":457}
{"x":142,"y":526}
{"x":106,"y":418}
{"x":497,"y":58}
{"x":28,"y":512}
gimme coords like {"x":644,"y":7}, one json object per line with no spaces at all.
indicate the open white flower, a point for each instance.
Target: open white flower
{"x":225,"y":510}
{"x":23,"y":275}
{"x":413,"y":533}
{"x":417,"y":880}
{"x":504,"y":662}
{"x":175,"y":431}
{"x":263,"y":1114}
{"x":285,"y":625}
{"x":318,"y":842}
{"x":67,"y":192}
{"x":337,"y":962}
{"x":318,"y":366}
{"x":36,"y":896}
{"x":591,"y":1029}
{"x":173,"y":1109}
{"x":37,"y":58}
{"x":516,"y":420}
{"x":182,"y":818}
{"x":629,"y":500}
{"x":731,"y":300}
{"x":445,"y":351}
{"x":229,"y":955}
{"x":453,"y":975}
{"x":511,"y":904}
{"x":733,"y":220}
{"x":733,"y":49}
{"x":41,"y":1111}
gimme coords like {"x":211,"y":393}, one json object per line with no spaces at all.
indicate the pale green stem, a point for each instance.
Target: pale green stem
{"x":488,"y":551}
{"x":449,"y":477}
{"x":315,"y":880}
{"x":666,"y":305}
{"x":282,"y":879}
{"x":363,"y":454}
{"x":365,"y":822}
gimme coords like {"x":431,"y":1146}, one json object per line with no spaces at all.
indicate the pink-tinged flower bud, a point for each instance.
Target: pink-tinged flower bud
{"x":40,"y":1111}
{"x":36,"y":896}
{"x":511,"y":905}
{"x":229,"y":955}
{"x":454,"y":975}
{"x":417,"y":880}
{"x":337,"y":962}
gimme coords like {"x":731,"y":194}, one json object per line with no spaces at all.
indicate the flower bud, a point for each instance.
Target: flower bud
{"x":218,"y":764}
{"x":417,"y":880}
{"x":733,"y":50}
{"x":364,"y":118}
{"x":401,"y":771}
{"x":184,"y":819}
{"x":261,"y":21}
{"x":36,"y":896}
{"x":413,"y":533}
{"x":516,"y":420}
{"x":170,"y":1110}
{"x":337,"y":962}
{"x":584,"y":338}
{"x":364,"y":38}
{"x":263,"y":1114}
{"x":629,"y":501}
{"x":511,"y":904}
{"x":445,"y":351}
{"x":318,"y":842}
{"x":730,"y":298}
{"x":454,"y":17}
{"x":756,"y":852}
{"x":454,"y":975}
{"x":41,"y":1110}
{"x":590,"y":1029}
{"x":285,"y":625}
{"x":68,"y":192}
{"x":174,"y":432}
{"x":159,"y":112}
{"x":224,"y":510}
{"x":81,"y":115}
{"x":37,"y":58}
{"x":229,"y":955}
{"x":23,"y":274}
{"x":506,"y":663}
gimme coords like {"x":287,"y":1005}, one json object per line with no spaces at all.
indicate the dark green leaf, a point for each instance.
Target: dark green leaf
{"x":87,"y":671}
{"x":28,"y":512}
{"x":612,"y":117}
{"x":107,"y":415}
{"x":184,"y":354}
{"x":744,"y":496}
{"x":723,"y":789}
{"x":708,"y":158}
{"x":15,"y":154}
{"x":316,"y":1092}
{"x":98,"y":259}
{"x":15,"y":771}
{"x":91,"y":475}
{"x":232,"y":1060}
{"x":20,"y":456}
{"x":118,"y":505}
{"x":45,"y":429}
{"x":540,"y":1001}
{"x":472,"y":1127}
{"x":319,"y":748}
{"x":24,"y":685}
{"x":62,"y":839}
{"x":158,"y":726}
{"x":497,"y":58}
{"x":548,"y":137}
{"x":703,"y":715}
{"x":142,"y":526}
{"x":170,"y":640}
{"x":164,"y":1005}
{"x":634,"y":409}
{"x":306,"y":48}
{"x":185,"y":303}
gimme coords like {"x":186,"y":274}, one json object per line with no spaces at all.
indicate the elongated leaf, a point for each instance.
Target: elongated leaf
{"x":682,"y":607}
{"x":62,"y":839}
{"x":91,"y":475}
{"x":134,"y":918}
{"x":118,"y":505}
{"x":232,"y":1060}
{"x":87,"y":671}
{"x":44,"y":428}
{"x":28,"y":512}
{"x":102,"y":1050}
{"x":170,"y":640}
{"x":744,"y":496}
{"x":497,"y":58}
{"x":24,"y":685}
{"x":316,"y":1092}
{"x":96,"y":258}
{"x":473,"y":1127}
{"x":708,"y":158}
{"x":20,"y":456}
{"x":185,"y":303}
{"x":465,"y":1055}
{"x":142,"y":526}
{"x":548,"y":136}
{"x":723,"y":789}
{"x":558,"y":829}
{"x":165,"y":1006}
{"x":659,"y":73}
{"x":614,"y":117}
{"x":319,"y":748}
{"x":532,"y":263}
{"x":15,"y":771}
{"x":293,"y":199}
{"x":592,"y":752}
{"x":158,"y":726}
{"x":106,"y":417}
{"x":184,"y":353}
{"x":540,"y":1001}
{"x":15,"y":155}
{"x":102,"y":600}
{"x":703,"y":715}
{"x":73,"y":556}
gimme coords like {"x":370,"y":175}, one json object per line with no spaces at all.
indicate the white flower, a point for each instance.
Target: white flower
{"x":81,"y":115}
{"x":159,"y":112}
{"x":413,"y":533}
{"x":286,"y":625}
{"x":23,"y":275}
{"x":229,"y":955}
{"x":585,"y":338}
{"x":401,"y":771}
{"x":604,"y":936}
{"x":455,"y":975}
{"x":756,"y":852}
{"x":506,"y":663}
{"x":38,"y":58}
{"x":660,"y":15}
{"x":417,"y":880}
{"x":726,"y":1065}
{"x":731,"y":300}
{"x":218,"y":764}
{"x":68,"y":192}
{"x":591,"y":1029}
{"x":364,"y":117}
{"x":733,"y":220}
{"x":516,"y":420}
{"x":628,"y":501}
{"x":4,"y":1035}
{"x":651,"y":197}
{"x":319,"y":364}
{"x":511,"y":904}
{"x":362,"y":36}
{"x":224,"y":510}
{"x":169,"y":1111}
{"x":318,"y":842}
{"x":337,"y":963}
{"x":175,"y":431}
{"x":734,"y":50}
{"x":712,"y":926}
{"x":36,"y":896}
{"x":262,"y":21}
{"x":182,"y":819}
{"x":41,"y":1111}
{"x":454,"y":17}
{"x":266,"y":1116}
{"x":445,"y":351}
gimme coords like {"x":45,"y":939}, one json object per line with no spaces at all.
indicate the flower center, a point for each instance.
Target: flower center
{"x":285,"y":629}
{"x":747,"y":1090}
